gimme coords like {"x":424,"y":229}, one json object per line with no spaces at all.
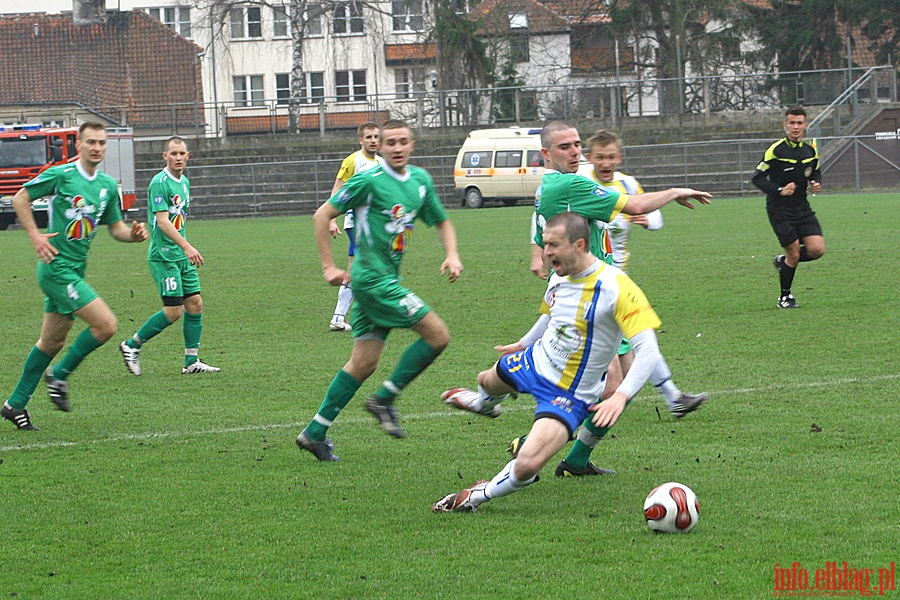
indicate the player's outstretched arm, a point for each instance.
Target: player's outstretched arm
{"x":648,"y":202}
{"x":452,"y":264}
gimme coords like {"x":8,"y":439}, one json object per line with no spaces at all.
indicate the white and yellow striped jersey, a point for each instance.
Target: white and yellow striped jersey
{"x":353,"y":164}
{"x":589,"y":314}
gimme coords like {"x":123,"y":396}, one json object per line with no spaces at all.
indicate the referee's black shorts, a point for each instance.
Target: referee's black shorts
{"x":792,"y":224}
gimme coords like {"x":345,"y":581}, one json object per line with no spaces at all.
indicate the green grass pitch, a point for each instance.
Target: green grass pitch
{"x":169,"y":486}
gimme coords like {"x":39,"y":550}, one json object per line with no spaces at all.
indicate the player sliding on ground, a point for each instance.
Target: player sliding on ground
{"x":590,"y":306}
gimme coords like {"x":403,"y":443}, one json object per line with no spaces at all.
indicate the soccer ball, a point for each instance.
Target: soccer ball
{"x":671,"y":508}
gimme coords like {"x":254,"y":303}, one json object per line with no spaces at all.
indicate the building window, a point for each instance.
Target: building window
{"x":280,"y":23}
{"x":518,"y":20}
{"x":314,"y":20}
{"x":248,"y":90}
{"x":246,"y":22}
{"x":350,"y":86}
{"x":282,"y":88}
{"x":407,"y":81}
{"x":407,"y":15}
{"x":347,"y":18}
{"x":312,"y":88}
{"x":518,"y":49}
{"x":176,"y":17}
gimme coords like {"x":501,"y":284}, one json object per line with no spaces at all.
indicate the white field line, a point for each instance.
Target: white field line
{"x":520,"y":407}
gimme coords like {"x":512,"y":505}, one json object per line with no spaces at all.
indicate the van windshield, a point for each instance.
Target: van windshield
{"x":15,"y":153}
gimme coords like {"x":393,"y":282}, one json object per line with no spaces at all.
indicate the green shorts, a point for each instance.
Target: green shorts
{"x":64,"y":287}
{"x":624,"y":347}
{"x":385,"y":306}
{"x":175,"y":279}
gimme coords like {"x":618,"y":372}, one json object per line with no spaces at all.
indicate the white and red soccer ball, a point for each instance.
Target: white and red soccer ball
{"x":671,"y":508}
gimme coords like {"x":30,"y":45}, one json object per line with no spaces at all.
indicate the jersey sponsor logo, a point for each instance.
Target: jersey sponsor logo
{"x":566,"y":340}
{"x":158,"y":199}
{"x":563,"y":404}
{"x":599,"y":190}
{"x":176,"y":212}
{"x":400,"y":226}
{"x":82,"y":224}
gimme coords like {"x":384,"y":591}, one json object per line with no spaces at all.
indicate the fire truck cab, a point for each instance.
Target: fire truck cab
{"x":28,"y":150}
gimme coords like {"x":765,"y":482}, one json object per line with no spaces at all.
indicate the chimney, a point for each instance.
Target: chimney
{"x":89,"y":12}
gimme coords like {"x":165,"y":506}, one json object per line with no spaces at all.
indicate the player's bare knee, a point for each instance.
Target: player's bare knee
{"x":193,"y":304}
{"x":173,"y":313}
{"x":104,"y":331}
{"x":527,"y":467}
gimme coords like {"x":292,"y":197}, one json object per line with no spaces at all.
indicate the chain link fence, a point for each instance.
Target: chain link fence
{"x":722,"y":167}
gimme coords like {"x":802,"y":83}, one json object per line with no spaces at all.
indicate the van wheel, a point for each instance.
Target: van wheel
{"x":41,"y":218}
{"x":6,"y":219}
{"x":510,"y":201}
{"x":473,"y":198}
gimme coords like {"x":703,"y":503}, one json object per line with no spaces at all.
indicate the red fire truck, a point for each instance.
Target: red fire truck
{"x":27,"y":150}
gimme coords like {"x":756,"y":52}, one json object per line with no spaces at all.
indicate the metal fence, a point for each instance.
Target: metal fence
{"x":722,"y":167}
{"x":611,"y":98}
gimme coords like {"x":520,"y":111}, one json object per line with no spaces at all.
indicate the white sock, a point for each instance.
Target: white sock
{"x":345,"y":297}
{"x":661,"y":378}
{"x":486,"y":401}
{"x":504,"y":483}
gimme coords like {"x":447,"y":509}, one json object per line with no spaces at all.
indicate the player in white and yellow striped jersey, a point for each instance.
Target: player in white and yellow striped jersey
{"x":587,"y":309}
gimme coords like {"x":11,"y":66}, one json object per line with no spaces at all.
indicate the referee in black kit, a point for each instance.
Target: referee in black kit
{"x":790,"y":168}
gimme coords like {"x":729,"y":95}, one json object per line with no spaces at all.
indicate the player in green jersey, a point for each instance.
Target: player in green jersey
{"x":386,"y":201}
{"x":82,"y":197}
{"x":173,"y":264}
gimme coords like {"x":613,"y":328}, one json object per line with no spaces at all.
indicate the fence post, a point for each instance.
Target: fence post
{"x":322,"y":119}
{"x":517,"y":98}
{"x":253,"y":187}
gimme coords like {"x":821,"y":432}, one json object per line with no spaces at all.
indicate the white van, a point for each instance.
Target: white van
{"x":505,"y":164}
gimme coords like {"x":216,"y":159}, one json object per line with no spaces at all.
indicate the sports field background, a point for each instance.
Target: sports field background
{"x":173,"y":486}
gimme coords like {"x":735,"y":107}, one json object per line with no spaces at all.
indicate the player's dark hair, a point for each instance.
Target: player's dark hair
{"x":603,"y":138}
{"x":575,"y":226}
{"x":177,"y":140}
{"x":90,"y":125}
{"x":394,"y":124}
{"x":361,"y":130}
{"x":797,"y":110}
{"x":550,"y":128}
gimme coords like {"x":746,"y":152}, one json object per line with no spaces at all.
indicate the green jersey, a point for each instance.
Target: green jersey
{"x":78,"y":204}
{"x":172,"y":195}
{"x":385,"y":205}
{"x":569,"y":192}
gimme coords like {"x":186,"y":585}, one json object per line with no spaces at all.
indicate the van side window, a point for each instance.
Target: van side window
{"x":508,"y":158}
{"x":535,"y":159}
{"x":72,"y":147}
{"x":476,"y":160}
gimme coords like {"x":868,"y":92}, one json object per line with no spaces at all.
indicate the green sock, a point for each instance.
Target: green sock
{"x":35,"y":365}
{"x":341,"y":390}
{"x":83,"y":345}
{"x":580,"y":454}
{"x":150,"y":329}
{"x":193,"y":327}
{"x":415,"y":359}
